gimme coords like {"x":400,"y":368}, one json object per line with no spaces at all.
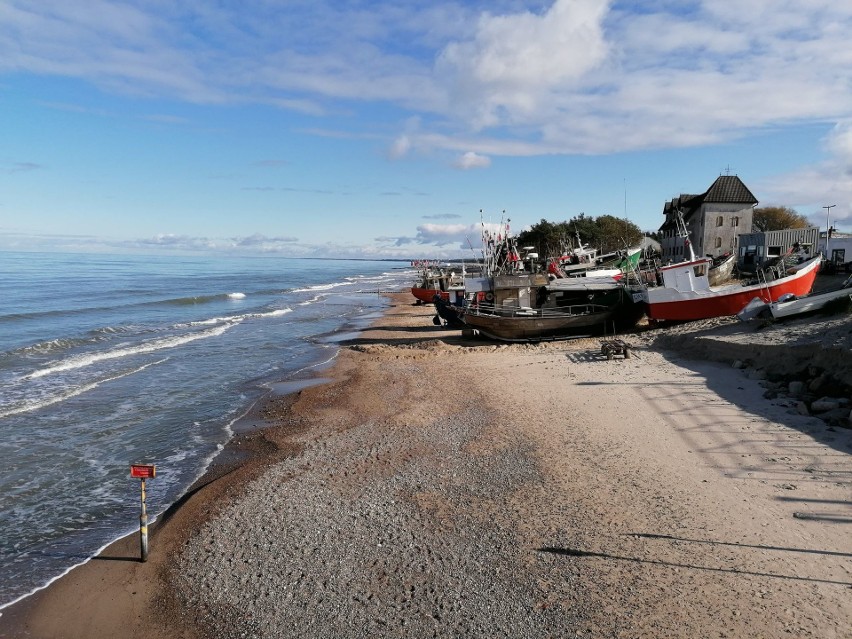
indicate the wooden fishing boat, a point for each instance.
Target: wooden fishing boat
{"x":529,"y":307}
{"x":536,"y":324}
{"x":722,"y":269}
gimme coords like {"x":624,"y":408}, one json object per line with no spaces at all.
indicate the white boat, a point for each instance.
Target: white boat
{"x":787,"y":306}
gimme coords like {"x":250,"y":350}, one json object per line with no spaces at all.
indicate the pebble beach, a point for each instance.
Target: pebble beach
{"x":443,"y":486}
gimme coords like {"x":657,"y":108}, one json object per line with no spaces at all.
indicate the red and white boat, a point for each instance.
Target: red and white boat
{"x":434,"y":281}
{"x":685,"y":292}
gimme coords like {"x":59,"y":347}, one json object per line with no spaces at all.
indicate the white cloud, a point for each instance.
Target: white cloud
{"x":400,"y":147}
{"x":471,"y":160}
{"x":513,"y":61}
{"x":485,"y":78}
{"x":810,"y":188}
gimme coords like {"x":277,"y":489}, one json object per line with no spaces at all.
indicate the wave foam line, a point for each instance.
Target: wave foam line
{"x":319,"y":287}
{"x":313,"y":300}
{"x":239,"y":318}
{"x":26,"y":408}
{"x":149,"y":347}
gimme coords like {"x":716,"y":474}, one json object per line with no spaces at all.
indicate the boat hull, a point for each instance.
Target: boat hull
{"x":451,"y":315}
{"x":425,"y":295}
{"x":808,"y":304}
{"x":536,"y":327}
{"x":723,"y":271}
{"x":670,"y":305}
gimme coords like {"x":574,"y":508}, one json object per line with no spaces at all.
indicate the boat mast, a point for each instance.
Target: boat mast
{"x":682,"y":232}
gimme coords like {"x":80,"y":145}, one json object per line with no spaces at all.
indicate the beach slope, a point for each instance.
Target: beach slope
{"x":446,"y":487}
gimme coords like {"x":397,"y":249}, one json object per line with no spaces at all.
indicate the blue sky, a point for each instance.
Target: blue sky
{"x":375,"y":129}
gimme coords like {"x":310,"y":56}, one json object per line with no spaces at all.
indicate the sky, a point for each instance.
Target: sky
{"x":353,"y":128}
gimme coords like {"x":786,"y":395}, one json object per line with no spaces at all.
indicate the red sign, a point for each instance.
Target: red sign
{"x":143,"y":471}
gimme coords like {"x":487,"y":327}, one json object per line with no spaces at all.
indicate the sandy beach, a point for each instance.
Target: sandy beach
{"x":441,"y":486}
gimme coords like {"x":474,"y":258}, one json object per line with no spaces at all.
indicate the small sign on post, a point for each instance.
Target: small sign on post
{"x":143,"y":472}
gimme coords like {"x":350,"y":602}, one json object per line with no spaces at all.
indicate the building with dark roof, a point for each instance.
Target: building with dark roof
{"x":713,"y":220}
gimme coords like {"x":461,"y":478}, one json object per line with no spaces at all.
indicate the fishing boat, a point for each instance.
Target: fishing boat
{"x":790,"y":305}
{"x":528,"y":324}
{"x":514,"y":300}
{"x":448,"y":313}
{"x":433,"y":281}
{"x":685,"y":293}
{"x":722,"y":269}
{"x":531,"y":307}
{"x":682,"y":291}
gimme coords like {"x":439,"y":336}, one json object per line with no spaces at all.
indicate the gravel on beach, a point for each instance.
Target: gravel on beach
{"x":429,"y":501}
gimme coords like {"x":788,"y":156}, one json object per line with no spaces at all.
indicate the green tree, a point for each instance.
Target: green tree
{"x":606,"y":233}
{"x":777,"y":218}
{"x":617,"y":233}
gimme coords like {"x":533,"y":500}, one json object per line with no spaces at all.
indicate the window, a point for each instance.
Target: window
{"x":720,"y":221}
{"x":735,"y":221}
{"x":718,"y":242}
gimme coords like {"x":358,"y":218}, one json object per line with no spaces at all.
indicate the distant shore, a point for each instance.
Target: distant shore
{"x":457,"y":487}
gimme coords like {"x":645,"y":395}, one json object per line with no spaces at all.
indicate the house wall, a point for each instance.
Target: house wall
{"x":839,"y":249}
{"x":720,"y":238}
{"x":704,"y":229}
{"x":756,"y":248}
{"x":672,"y":248}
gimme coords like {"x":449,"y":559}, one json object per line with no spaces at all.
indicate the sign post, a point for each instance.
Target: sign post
{"x":143,"y":472}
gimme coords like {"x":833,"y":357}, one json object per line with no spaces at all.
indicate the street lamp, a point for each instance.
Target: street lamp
{"x":827,"y":225}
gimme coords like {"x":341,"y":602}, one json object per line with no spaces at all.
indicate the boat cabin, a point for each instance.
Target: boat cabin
{"x":687,"y":276}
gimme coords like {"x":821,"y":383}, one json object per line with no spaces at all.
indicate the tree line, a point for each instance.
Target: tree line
{"x":605,"y":233}
{"x":608,"y":233}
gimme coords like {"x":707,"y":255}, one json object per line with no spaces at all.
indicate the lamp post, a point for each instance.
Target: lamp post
{"x":827,"y":225}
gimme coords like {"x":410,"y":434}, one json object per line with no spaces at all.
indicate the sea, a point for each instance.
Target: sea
{"x":113,"y":360}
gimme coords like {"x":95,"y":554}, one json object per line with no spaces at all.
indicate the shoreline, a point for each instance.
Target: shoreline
{"x":244,"y":455}
{"x":232,"y":454}
{"x":143,"y":593}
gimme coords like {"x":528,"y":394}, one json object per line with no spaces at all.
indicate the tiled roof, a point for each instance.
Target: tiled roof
{"x":687,"y":203}
{"x":729,"y":189}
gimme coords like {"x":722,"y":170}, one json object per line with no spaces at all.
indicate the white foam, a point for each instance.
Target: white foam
{"x":313,"y":300}
{"x":147,"y":347}
{"x":319,"y":287}
{"x":236,"y":296}
{"x":35,"y":405}
{"x":238,"y":318}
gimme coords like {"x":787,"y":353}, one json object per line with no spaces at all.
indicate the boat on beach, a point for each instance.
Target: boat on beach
{"x":722,"y":269}
{"x":536,"y":324}
{"x":684,"y":291}
{"x":789,"y":306}
{"x":433,"y":281}
{"x":531,"y":307}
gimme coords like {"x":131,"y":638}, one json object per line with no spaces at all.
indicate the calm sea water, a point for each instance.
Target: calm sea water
{"x":111,"y":360}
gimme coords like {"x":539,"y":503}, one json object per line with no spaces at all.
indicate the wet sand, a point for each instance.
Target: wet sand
{"x":438,"y":486}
